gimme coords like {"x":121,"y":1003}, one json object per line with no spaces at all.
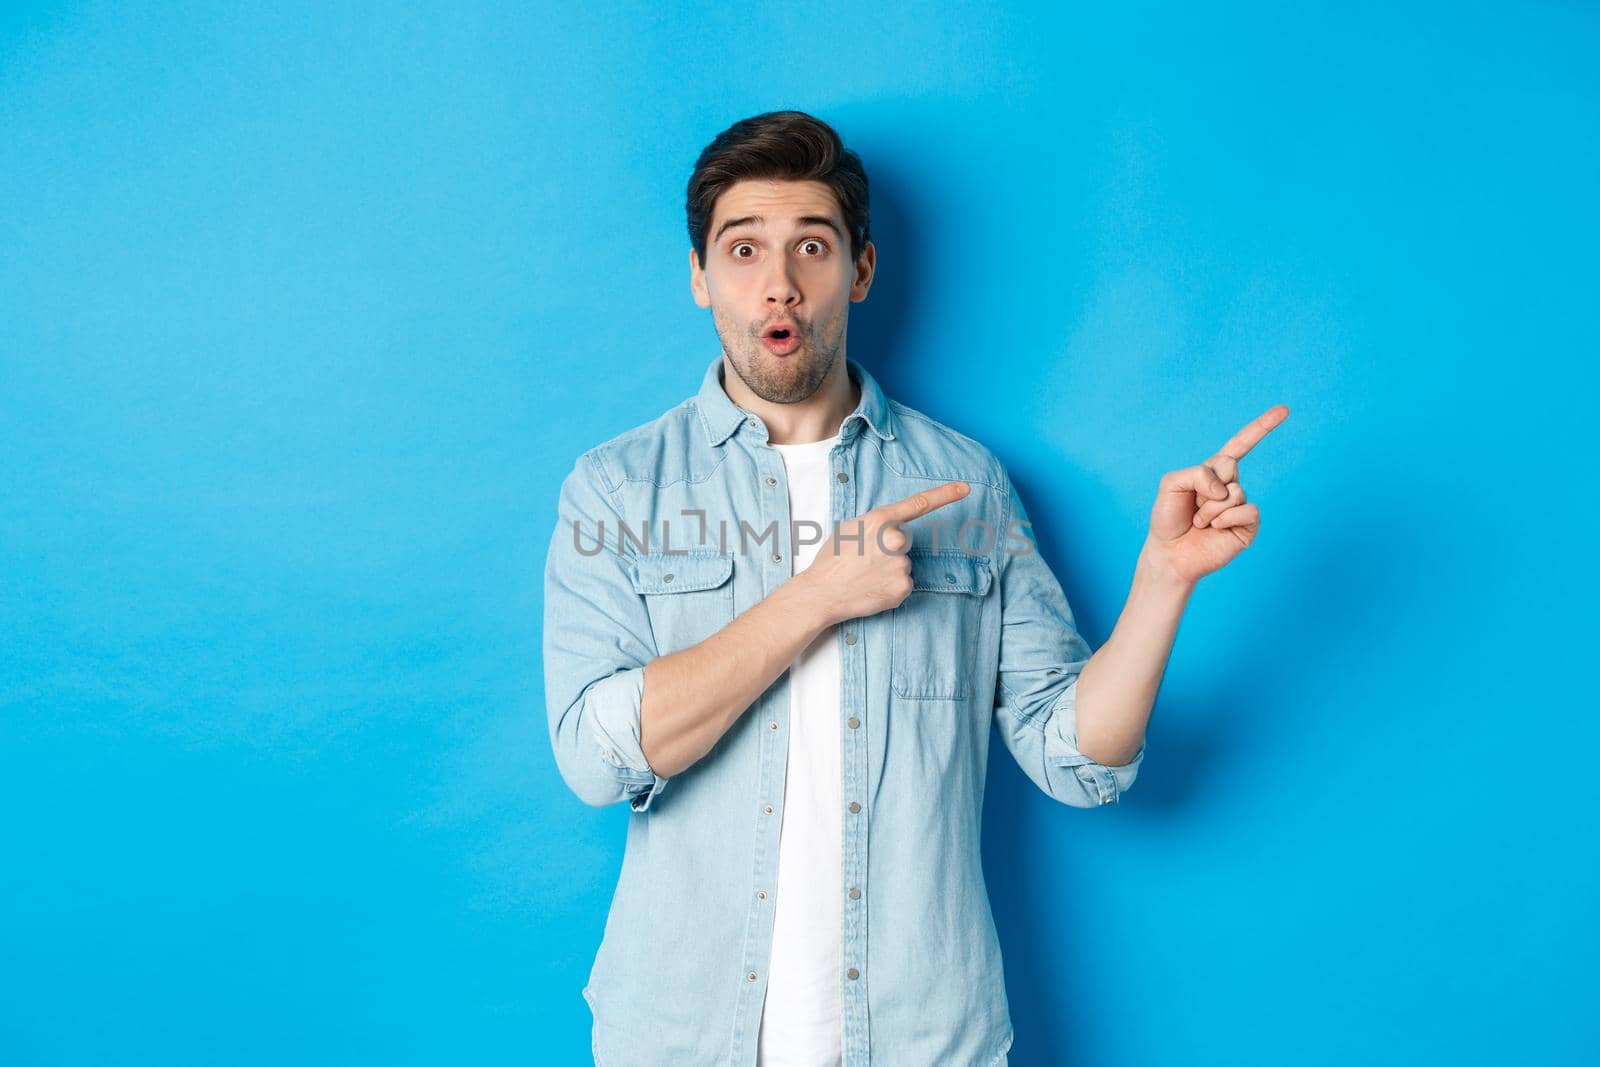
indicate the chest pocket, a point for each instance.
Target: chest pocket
{"x":689,"y":597}
{"x":934,"y":631}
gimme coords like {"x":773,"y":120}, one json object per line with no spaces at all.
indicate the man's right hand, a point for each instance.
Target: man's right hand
{"x":859,"y":576}
{"x":692,"y":696}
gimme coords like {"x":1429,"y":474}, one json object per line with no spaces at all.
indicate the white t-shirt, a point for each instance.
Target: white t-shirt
{"x":801,"y":1018}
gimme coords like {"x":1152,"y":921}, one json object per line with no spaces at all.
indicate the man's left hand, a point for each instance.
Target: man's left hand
{"x":1200,"y":520}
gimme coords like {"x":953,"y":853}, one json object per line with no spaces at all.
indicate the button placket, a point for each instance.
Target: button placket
{"x":847,"y":502}
{"x":771,"y":501}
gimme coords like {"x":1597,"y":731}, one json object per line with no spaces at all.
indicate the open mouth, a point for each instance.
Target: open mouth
{"x":781,"y":339}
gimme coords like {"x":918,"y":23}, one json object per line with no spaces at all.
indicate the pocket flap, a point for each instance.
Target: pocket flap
{"x":660,"y":572}
{"x":952,"y":571}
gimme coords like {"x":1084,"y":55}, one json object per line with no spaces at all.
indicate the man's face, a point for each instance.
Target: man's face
{"x":777,"y":255}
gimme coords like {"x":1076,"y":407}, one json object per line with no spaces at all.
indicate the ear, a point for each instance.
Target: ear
{"x":866,"y":265}
{"x":697,"y":281}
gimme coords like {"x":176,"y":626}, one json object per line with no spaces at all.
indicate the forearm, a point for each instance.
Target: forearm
{"x":1117,"y":687}
{"x":691,"y":697}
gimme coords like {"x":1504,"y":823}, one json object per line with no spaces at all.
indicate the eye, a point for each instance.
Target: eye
{"x":822,"y":247}
{"x":733,"y":250}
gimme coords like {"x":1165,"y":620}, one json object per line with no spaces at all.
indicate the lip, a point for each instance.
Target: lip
{"x":785,"y":346}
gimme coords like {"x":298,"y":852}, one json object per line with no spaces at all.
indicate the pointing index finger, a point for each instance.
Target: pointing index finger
{"x":919,"y":504}
{"x":1254,"y":431}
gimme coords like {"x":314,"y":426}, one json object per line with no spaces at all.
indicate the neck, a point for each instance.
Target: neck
{"x":816,"y":418}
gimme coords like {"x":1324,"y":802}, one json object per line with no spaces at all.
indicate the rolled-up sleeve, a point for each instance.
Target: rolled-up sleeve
{"x":1036,"y":687}
{"x":597,"y":640}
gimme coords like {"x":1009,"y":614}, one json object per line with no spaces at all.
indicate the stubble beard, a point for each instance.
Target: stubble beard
{"x":779,"y":379}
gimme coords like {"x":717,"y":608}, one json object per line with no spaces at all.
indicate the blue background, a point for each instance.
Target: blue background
{"x":304,"y":315}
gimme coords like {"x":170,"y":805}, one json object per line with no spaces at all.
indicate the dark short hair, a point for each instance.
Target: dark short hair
{"x":785,"y":145}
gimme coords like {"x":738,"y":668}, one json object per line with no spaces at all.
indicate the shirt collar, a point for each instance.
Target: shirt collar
{"x":720,"y":416}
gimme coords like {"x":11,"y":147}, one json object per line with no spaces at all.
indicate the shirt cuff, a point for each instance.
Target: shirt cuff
{"x":611,"y":708}
{"x":1061,"y":748}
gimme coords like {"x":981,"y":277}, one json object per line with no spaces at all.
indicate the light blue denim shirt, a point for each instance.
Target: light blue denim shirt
{"x":985,"y":637}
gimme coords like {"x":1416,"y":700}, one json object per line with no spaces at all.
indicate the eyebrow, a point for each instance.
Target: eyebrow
{"x":757,"y":220}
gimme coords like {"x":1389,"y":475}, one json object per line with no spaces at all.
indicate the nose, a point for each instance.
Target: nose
{"x":782,"y":291}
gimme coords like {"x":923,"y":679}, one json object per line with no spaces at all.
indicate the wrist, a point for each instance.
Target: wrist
{"x":802,"y":596}
{"x":1154,"y":570}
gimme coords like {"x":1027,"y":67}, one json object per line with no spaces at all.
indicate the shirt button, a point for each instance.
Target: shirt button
{"x":950,"y":578}
{"x":750,"y":975}
{"x":854,"y":722}
{"x":767,"y":808}
{"x":761,"y":894}
{"x":853,"y":973}
{"x":855,"y":894}
{"x":777,"y":557}
{"x":843,"y":477}
{"x":772,"y":725}
{"x":854,"y":807}
{"x":752,"y":424}
{"x":772,"y":481}
{"x":850,"y":638}
{"x":666,"y":577}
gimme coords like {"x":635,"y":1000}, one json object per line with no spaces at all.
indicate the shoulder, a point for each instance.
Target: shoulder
{"x":924,"y":447}
{"x":668,"y":448}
